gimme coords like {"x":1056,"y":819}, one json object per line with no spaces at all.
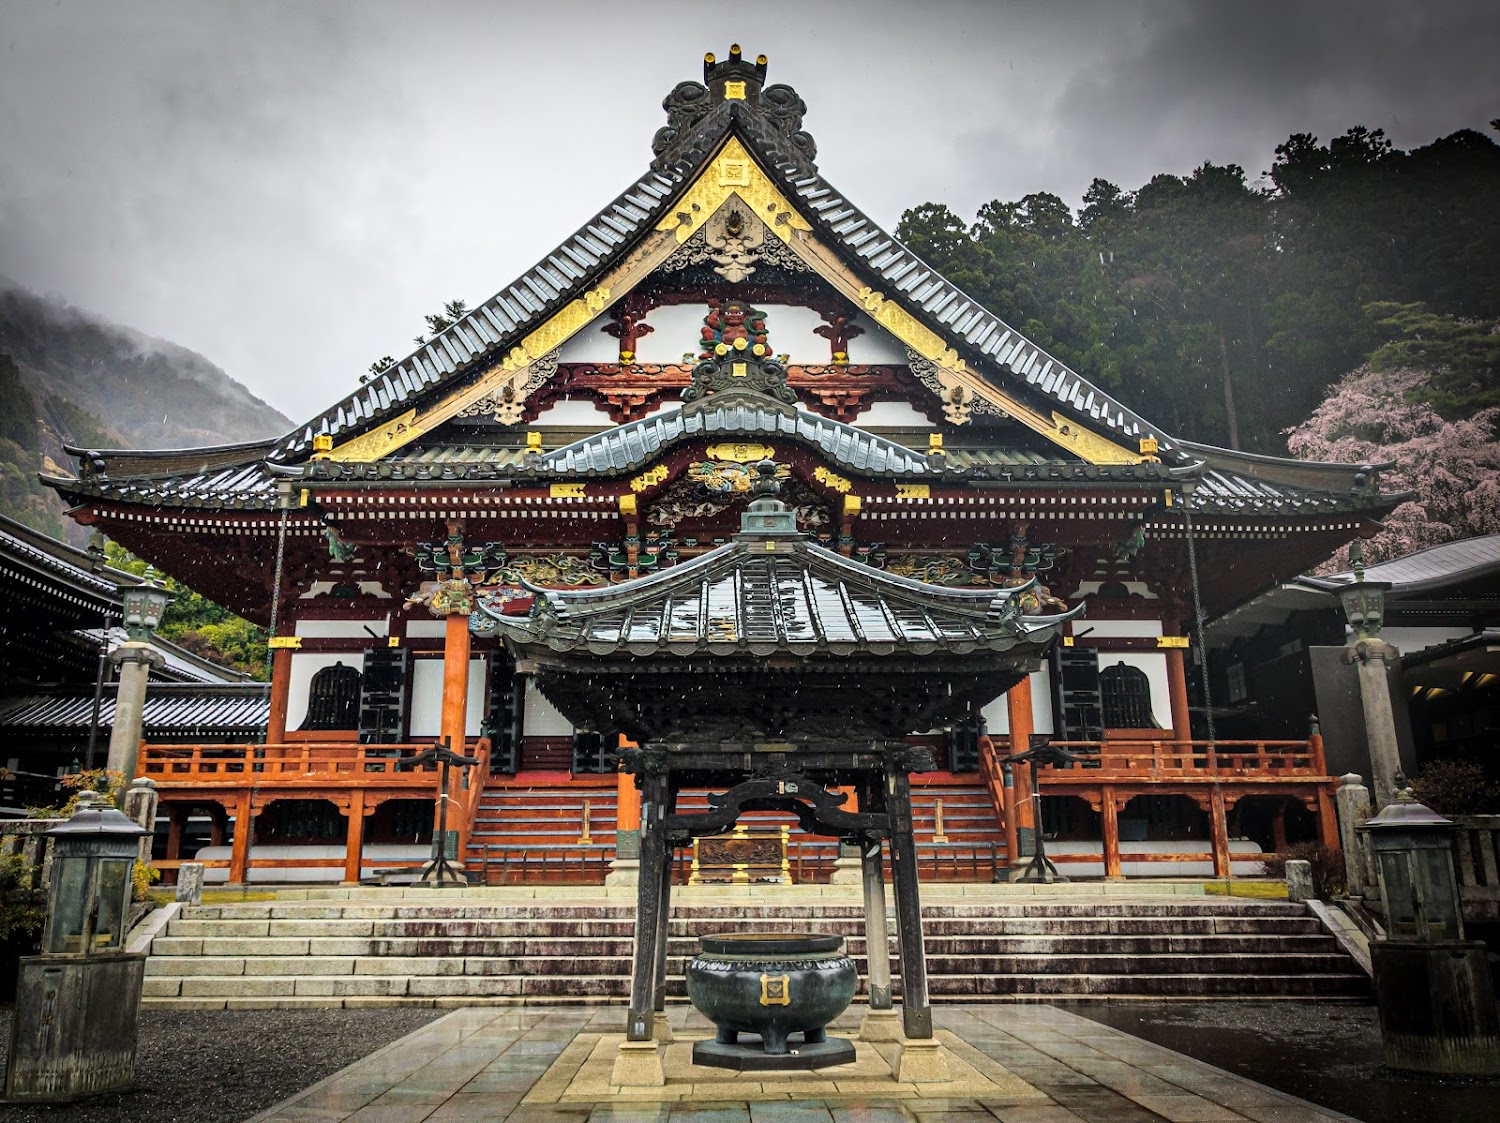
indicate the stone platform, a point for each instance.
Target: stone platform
{"x":533,"y":945}
{"x":1012,"y":1064}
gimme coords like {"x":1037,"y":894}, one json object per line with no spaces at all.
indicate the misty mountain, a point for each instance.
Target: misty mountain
{"x":68,"y":376}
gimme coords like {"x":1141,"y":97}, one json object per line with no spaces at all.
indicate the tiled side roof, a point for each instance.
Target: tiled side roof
{"x":170,"y":708}
{"x":32,"y":549}
{"x":1466,"y":559}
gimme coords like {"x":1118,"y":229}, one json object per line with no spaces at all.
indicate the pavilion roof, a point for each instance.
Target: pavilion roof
{"x":764,"y":594}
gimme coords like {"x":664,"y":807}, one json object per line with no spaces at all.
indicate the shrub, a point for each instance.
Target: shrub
{"x":1327,"y":866}
{"x":1457,"y":787}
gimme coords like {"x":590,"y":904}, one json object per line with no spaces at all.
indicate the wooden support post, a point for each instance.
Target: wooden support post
{"x":1018,"y":710}
{"x":1110,"y":822}
{"x":649,"y":895}
{"x":354,"y":846}
{"x":239,"y":851}
{"x":281,"y":688}
{"x":628,"y":805}
{"x":1278,"y":829}
{"x":916,"y":1013}
{"x":176,"y":820}
{"x":1182,"y":726}
{"x":1219,"y":828}
{"x":664,"y":913}
{"x":877,"y":937}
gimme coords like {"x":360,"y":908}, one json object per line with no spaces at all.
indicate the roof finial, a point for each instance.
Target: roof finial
{"x":1357,"y":558}
{"x":735,"y":79}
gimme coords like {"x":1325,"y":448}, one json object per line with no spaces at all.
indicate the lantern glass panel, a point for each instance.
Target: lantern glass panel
{"x":1440,"y":897}
{"x":70,"y":906}
{"x":1400,"y":894}
{"x":114,"y":896}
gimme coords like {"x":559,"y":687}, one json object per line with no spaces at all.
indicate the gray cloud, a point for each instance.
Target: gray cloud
{"x":288,"y":187}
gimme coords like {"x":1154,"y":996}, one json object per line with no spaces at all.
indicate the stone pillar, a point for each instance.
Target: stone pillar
{"x":1353,"y":803}
{"x":140,"y":809}
{"x":1372,"y":655}
{"x":1182,"y":726}
{"x":135,"y":662}
{"x":1299,"y":881}
{"x":882,"y":1023}
{"x":190,"y":883}
{"x":281,"y":684}
{"x":1018,"y":710}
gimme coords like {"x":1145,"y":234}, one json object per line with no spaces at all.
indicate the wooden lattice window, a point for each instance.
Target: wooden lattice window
{"x":333,"y":699}
{"x":1125,"y":698}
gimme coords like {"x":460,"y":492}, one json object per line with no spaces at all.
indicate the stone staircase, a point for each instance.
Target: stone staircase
{"x":430,"y":949}
{"x":531,"y":830}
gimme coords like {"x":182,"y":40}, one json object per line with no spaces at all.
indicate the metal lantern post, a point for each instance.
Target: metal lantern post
{"x":74,"y":1030}
{"x":1437,"y":1009}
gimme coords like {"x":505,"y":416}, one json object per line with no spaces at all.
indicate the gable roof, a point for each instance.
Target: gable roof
{"x":702,"y":119}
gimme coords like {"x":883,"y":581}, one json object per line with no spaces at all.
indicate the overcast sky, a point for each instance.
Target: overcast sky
{"x":288,"y":188}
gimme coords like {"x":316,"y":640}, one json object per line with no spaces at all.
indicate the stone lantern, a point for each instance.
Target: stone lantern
{"x":143,"y":606}
{"x":74,"y":1029}
{"x":1437,"y":1010}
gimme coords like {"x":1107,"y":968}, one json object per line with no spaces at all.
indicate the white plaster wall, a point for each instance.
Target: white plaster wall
{"x":902,"y":415}
{"x":1407,"y":640}
{"x":340,"y":629}
{"x":540,"y":718}
{"x":1155,"y":665}
{"x":426,"y":629}
{"x":1140,"y":588}
{"x":591,"y":345}
{"x":997,"y":713}
{"x":1113,"y":629}
{"x":675,"y":329}
{"x":304,"y":666}
{"x":580,"y":414}
{"x":790,"y":332}
{"x":427,"y":697}
{"x":876,"y":345}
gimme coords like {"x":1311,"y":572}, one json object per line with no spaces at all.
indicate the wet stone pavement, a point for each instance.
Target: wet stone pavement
{"x":497,"y":1064}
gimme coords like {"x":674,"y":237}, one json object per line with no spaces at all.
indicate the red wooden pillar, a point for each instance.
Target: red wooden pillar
{"x":354,"y":846}
{"x":1182,"y":726}
{"x":1110,"y":823}
{"x":1018,"y":710}
{"x":455,"y":710}
{"x":281,"y":684}
{"x":1219,"y":827}
{"x":628,"y":807}
{"x":1328,"y":819}
{"x":239,"y":851}
{"x":176,"y":816}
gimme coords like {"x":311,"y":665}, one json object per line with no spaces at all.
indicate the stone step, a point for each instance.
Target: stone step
{"x":374,"y":908}
{"x":583,"y":987}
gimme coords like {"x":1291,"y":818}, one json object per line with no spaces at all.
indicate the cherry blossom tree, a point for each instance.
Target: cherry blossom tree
{"x":1452,"y":468}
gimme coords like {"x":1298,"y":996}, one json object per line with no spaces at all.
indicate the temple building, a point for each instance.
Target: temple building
{"x":600,"y":419}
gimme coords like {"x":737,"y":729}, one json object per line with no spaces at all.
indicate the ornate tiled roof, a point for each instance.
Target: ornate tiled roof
{"x":768,"y":122}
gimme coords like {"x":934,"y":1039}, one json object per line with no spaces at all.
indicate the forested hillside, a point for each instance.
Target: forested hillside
{"x":69,"y":377}
{"x":1225,"y":308}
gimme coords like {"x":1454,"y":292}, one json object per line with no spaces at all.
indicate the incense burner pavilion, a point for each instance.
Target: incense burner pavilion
{"x":441,"y":550}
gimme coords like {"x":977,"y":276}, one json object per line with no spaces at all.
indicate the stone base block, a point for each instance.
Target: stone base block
{"x":847,"y":871}
{"x":623,"y":871}
{"x":923,"y":1061}
{"x":881,"y":1025}
{"x":638,"y":1065}
{"x":661,"y":1028}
